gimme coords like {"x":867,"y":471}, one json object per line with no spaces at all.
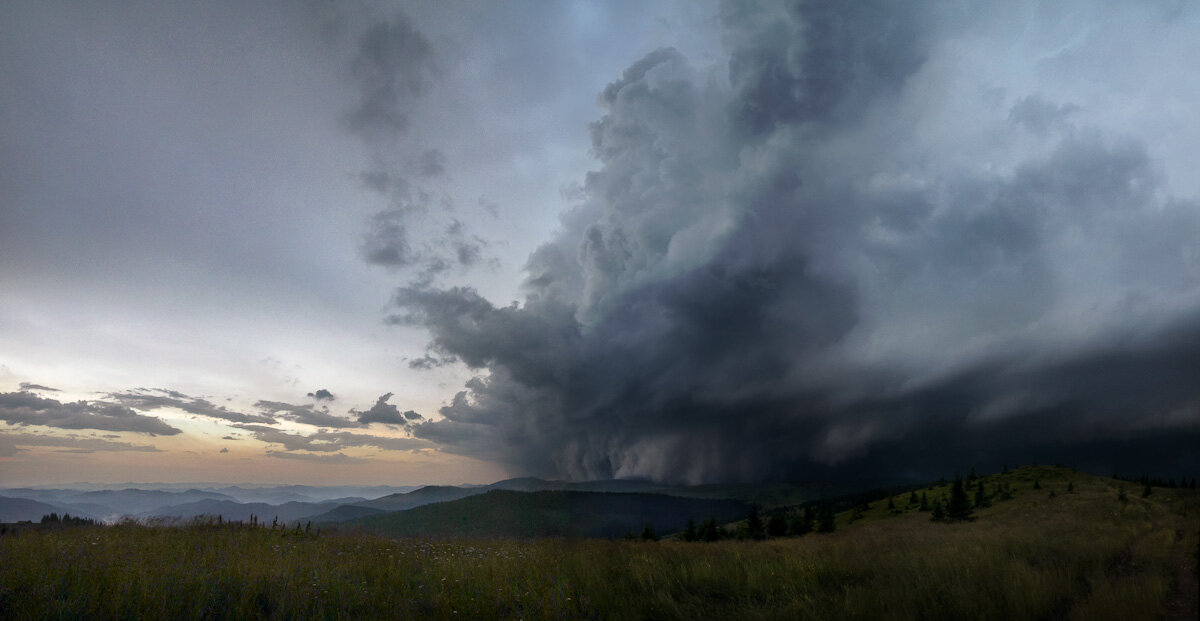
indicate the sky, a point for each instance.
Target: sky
{"x":404,"y":243}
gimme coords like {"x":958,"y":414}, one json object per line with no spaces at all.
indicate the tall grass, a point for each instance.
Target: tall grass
{"x":1085,"y":555}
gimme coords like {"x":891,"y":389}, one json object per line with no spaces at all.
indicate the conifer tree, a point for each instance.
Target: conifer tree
{"x":924,"y":502}
{"x":981,"y":497}
{"x":913,"y":500}
{"x":754,"y":526}
{"x":648,"y":533}
{"x":1037,"y":484}
{"x":689,"y":531}
{"x":1146,"y":491}
{"x":1070,"y":487}
{"x":959,"y":507}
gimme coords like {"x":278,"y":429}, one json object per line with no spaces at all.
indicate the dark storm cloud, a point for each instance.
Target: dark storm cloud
{"x":307,"y":414}
{"x":142,"y":399}
{"x":782,"y":267}
{"x":387,"y":413}
{"x":322,"y":395}
{"x":29,"y":386}
{"x":394,"y":67}
{"x":818,"y":61}
{"x":429,"y":361}
{"x":386,"y":241}
{"x":391,"y":67}
{"x":26,"y":408}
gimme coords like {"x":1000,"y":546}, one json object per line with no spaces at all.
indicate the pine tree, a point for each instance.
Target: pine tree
{"x":1037,"y":484}
{"x":981,"y":497}
{"x":924,"y":502}
{"x":648,"y":533}
{"x":710,"y":531}
{"x":754,"y":526}
{"x":959,"y":507}
{"x":913,"y":500}
{"x":1070,"y":487}
{"x":689,"y":531}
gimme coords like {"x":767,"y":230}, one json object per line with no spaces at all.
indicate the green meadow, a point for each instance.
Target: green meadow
{"x":1065,"y":546}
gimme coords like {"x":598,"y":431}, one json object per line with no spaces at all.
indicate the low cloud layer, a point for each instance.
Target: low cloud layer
{"x":25,"y":408}
{"x":307,"y":414}
{"x":874,"y":235}
{"x":9,"y":443}
{"x":331,"y":441}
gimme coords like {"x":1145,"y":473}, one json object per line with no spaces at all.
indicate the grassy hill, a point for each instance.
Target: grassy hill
{"x":502,"y":513}
{"x":1064,"y":546}
{"x":343,"y":513}
{"x":423,"y":496}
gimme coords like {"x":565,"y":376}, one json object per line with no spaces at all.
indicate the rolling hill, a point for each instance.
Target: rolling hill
{"x":20,"y":509}
{"x":503,"y":513}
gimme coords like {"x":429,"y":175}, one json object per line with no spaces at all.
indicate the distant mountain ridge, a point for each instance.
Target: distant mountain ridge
{"x":767,"y":496}
{"x":333,"y":504}
{"x":111,"y":504}
{"x":25,"y":509}
{"x":549,"y":513}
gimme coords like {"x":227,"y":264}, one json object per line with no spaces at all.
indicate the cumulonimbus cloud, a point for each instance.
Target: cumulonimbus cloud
{"x":873,"y":235}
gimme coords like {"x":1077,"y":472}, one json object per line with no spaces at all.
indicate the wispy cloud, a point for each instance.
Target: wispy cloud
{"x":155,"y":399}
{"x":27,"y":386}
{"x":82,"y":444}
{"x":336,"y":458}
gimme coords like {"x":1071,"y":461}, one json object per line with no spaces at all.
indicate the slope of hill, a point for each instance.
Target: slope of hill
{"x":502,"y":513}
{"x":423,"y":496}
{"x":1055,"y":544}
{"x":286,"y":513}
{"x":135,"y":501}
{"x":343,"y":513}
{"x":20,"y":509}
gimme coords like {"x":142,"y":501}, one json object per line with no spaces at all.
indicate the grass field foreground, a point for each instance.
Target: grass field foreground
{"x":1084,"y":554}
